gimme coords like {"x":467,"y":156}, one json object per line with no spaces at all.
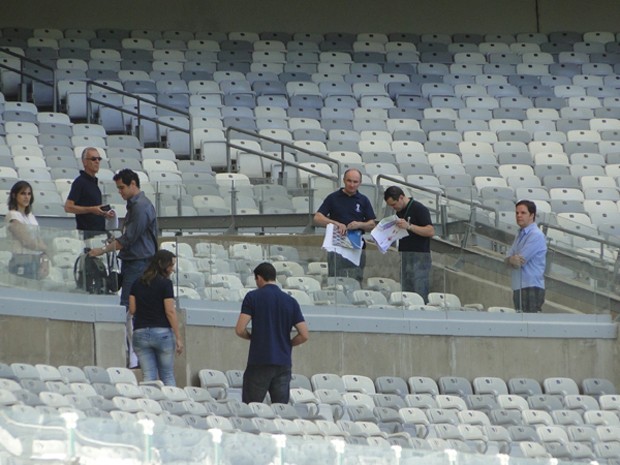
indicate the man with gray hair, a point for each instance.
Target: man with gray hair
{"x":85,"y":200}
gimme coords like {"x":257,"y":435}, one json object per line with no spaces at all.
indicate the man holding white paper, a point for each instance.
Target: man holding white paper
{"x":348,"y":210}
{"x":387,"y":232}
{"x":416,"y":247}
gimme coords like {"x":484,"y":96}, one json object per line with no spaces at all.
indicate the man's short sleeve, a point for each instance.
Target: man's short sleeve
{"x":422,"y":215}
{"x":326,"y":207}
{"x":168,"y":289}
{"x":75,"y":192}
{"x":298,"y":317}
{"x":247,"y":306}
{"x":370,"y":213}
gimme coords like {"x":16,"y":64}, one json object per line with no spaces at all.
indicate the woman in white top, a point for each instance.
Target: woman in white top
{"x":27,"y":247}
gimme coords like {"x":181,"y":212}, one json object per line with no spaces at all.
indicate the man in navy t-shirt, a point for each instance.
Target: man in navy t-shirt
{"x":273,"y":314}
{"x":348,"y":210}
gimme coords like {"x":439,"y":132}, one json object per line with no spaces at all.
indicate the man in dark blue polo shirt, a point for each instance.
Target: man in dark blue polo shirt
{"x":84,"y":199}
{"x":348,"y":210}
{"x":273,"y":314}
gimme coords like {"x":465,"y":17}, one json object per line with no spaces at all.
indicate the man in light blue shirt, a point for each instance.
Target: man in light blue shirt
{"x":527,"y":258}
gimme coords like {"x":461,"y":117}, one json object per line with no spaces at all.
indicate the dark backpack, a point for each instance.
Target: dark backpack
{"x":91,"y":274}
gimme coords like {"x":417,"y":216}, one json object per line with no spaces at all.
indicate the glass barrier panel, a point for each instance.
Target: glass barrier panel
{"x":176,"y":444}
{"x":198,"y":198}
{"x":212,"y":269}
{"x":53,"y":433}
{"x":581,"y":270}
{"x":47,"y":258}
{"x":29,"y":432}
{"x":121,"y":437}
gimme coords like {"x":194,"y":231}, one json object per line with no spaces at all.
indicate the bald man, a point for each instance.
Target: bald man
{"x":348,"y":210}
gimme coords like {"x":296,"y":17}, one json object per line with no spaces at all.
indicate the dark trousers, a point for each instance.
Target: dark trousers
{"x":415,"y":273}
{"x":260,"y":379}
{"x":337,"y":265}
{"x":87,"y":234}
{"x":529,"y":299}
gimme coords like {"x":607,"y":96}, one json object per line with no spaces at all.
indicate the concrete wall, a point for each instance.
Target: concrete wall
{"x":422,"y":355}
{"x":60,"y":342}
{"x":434,"y":344}
{"x":481,"y":16}
{"x":61,"y":329}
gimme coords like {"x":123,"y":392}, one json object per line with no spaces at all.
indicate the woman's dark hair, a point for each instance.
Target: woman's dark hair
{"x":158,"y":266}
{"x":16,"y":189}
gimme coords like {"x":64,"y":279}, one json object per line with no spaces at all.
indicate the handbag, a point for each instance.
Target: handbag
{"x":44,"y":266}
{"x":32,"y":266}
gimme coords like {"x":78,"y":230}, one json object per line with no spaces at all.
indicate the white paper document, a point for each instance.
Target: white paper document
{"x":349,"y":246}
{"x":111,"y":222}
{"x":387,"y":232}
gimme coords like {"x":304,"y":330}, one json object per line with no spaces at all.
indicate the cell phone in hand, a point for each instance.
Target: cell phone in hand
{"x":106,"y":208}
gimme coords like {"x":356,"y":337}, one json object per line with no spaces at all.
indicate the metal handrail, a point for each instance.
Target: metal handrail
{"x":140,"y":99}
{"x":281,"y":158}
{"x":441,"y":215}
{"x":441,"y":199}
{"x":331,"y":177}
{"x":294,"y":164}
{"x":23,"y":73}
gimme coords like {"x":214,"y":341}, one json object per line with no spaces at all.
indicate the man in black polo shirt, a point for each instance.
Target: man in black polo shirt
{"x":416,"y":247}
{"x":348,"y":210}
{"x":84,"y":199}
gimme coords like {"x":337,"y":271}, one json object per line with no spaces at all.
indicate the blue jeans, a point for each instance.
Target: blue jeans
{"x":131,"y":270}
{"x":258,"y":379}
{"x":415,"y":272}
{"x":155,"y":348}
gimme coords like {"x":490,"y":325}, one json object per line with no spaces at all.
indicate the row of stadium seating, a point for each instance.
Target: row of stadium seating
{"x":421,"y":413}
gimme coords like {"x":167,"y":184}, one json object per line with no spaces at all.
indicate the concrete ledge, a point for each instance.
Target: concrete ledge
{"x":80,"y":329}
{"x":61,"y":306}
{"x":440,"y":323}
{"x":99,"y":309}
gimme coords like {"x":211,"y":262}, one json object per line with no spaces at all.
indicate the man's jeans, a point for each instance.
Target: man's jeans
{"x":131,"y":270}
{"x":260,"y":379}
{"x":156,"y":348}
{"x":415,"y":273}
